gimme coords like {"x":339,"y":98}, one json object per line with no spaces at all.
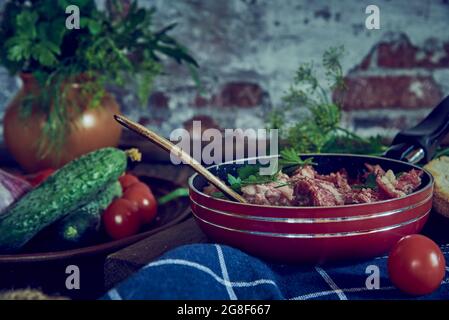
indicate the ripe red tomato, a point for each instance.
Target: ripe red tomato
{"x":39,"y":177}
{"x":127,"y":180}
{"x":416,"y":265}
{"x":120,"y":219}
{"x":141,"y":195}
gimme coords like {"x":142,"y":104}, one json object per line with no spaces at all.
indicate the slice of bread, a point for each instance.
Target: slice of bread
{"x":439,"y":168}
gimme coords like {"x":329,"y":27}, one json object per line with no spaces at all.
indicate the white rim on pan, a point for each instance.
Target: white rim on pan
{"x":314,"y":220}
{"x":317,"y":235}
{"x":428,"y":186}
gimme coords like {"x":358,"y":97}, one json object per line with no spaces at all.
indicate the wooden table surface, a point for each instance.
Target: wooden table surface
{"x":100,"y":271}
{"x":123,"y":263}
{"x":103,"y":273}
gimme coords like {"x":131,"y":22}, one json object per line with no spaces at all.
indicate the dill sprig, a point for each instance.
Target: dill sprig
{"x":320,"y":129}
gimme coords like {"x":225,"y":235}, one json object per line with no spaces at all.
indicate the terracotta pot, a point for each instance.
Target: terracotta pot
{"x":90,"y":129}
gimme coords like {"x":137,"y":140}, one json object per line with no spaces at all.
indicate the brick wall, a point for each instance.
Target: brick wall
{"x":249,"y":49}
{"x":396,"y":83}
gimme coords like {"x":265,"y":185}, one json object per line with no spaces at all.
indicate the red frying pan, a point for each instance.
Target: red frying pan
{"x":322,"y":234}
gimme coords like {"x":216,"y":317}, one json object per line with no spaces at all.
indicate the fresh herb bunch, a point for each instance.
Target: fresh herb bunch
{"x":319,"y":130}
{"x":289,"y":161}
{"x":107,"y":49}
{"x":248,"y":175}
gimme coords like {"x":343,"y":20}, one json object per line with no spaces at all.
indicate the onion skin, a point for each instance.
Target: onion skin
{"x":11,"y":189}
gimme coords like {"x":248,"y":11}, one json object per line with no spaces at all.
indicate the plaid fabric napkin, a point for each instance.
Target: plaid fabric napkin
{"x":211,"y":271}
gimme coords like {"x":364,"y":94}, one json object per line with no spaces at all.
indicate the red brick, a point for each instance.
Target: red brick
{"x":206,"y":123}
{"x":389,"y":92}
{"x":158,"y":99}
{"x":200,"y":101}
{"x":403,"y":54}
{"x":144,"y":121}
{"x":366,"y":62}
{"x":239,"y":94}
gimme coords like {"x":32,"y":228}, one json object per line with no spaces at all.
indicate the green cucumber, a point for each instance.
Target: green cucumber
{"x":69,"y":188}
{"x":82,"y":224}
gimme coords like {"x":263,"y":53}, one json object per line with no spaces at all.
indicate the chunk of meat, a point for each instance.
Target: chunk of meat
{"x":210,"y":189}
{"x":364,"y":195}
{"x":387,"y":186}
{"x":409,"y":181}
{"x":315,"y":192}
{"x":304,"y":172}
{"x":306,"y":187}
{"x":339,"y":179}
{"x":278,"y":193}
{"x":375,"y":169}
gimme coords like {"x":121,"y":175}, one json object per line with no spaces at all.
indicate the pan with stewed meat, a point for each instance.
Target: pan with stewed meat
{"x":306,"y":187}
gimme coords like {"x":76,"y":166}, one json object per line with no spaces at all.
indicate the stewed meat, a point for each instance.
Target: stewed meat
{"x":278,"y":193}
{"x":306,"y":187}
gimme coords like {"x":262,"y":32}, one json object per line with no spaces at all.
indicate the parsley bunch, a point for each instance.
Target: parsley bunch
{"x":289,"y":161}
{"x":106,"y":50}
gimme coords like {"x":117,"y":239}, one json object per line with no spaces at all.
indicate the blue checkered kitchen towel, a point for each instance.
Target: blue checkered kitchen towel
{"x":210,"y":271}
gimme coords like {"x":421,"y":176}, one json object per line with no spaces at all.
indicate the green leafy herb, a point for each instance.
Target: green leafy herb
{"x":347,"y":143}
{"x":290,"y":160}
{"x":258,"y":179}
{"x":370,"y":183}
{"x":116,"y":46}
{"x":247,"y":171}
{"x":442,"y":152}
{"x":248,"y":175}
{"x":399,"y":174}
{"x":291,"y":157}
{"x":235,"y":183}
{"x":218,"y":194}
{"x":319,"y":130}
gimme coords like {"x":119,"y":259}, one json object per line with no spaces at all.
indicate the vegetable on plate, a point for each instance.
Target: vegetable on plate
{"x":84,"y":223}
{"x":128,"y":180}
{"x":11,"y":189}
{"x":121,"y":220}
{"x":71,"y":187}
{"x":39,"y":177}
{"x":141,"y":195}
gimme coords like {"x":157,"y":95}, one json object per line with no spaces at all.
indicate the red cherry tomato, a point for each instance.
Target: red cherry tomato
{"x":127,"y":180}
{"x":141,"y":195}
{"x":120,"y":219}
{"x":416,"y":265}
{"x":39,"y":177}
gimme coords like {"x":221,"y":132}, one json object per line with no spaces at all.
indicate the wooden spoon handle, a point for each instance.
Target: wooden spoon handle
{"x":177,"y":151}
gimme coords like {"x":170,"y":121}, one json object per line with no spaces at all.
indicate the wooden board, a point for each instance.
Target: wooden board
{"x":121,"y":264}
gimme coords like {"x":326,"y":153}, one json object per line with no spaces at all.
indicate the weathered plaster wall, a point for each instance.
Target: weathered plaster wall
{"x":249,"y":49}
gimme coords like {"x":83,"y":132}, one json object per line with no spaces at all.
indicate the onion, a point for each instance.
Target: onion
{"x":11,"y":189}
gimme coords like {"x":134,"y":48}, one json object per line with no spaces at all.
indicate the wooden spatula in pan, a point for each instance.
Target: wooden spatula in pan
{"x":185,"y":157}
